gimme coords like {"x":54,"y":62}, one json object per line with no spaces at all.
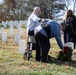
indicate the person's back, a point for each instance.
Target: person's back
{"x":42,"y":38}
{"x":33,"y":21}
{"x":54,"y":31}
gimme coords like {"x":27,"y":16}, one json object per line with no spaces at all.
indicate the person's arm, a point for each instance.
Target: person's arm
{"x":75,"y":25}
{"x":35,"y":18}
{"x":61,"y":26}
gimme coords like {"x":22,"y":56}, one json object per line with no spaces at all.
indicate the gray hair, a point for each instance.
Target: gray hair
{"x":37,"y":7}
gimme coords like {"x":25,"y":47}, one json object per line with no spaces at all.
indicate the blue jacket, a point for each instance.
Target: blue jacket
{"x":54,"y":31}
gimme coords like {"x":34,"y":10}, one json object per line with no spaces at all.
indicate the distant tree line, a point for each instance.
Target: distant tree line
{"x":21,"y":9}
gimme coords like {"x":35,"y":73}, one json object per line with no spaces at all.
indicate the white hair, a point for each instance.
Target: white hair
{"x":37,"y":7}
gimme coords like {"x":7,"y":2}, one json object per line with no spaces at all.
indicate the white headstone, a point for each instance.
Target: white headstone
{"x":11,"y":30}
{"x":7,"y":23}
{"x":17,"y":38}
{"x":1,"y":30}
{"x":71,"y":45}
{"x":15,"y":23}
{"x":3,"y":23}
{"x":26,"y":22}
{"x":22,"y":47}
{"x":4,"y":36}
{"x":18,"y":26}
{"x":10,"y":23}
{"x":21,"y":31}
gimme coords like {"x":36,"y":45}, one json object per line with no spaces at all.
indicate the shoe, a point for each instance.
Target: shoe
{"x":47,"y":61}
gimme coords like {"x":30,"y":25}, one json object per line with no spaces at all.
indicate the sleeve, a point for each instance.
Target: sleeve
{"x":74,"y":25}
{"x":35,"y":18}
{"x":62,"y":25}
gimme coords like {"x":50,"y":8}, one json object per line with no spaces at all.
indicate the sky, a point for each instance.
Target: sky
{"x":1,"y":1}
{"x":70,"y":7}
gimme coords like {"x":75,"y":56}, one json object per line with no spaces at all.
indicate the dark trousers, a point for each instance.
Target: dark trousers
{"x":74,"y":40}
{"x":69,"y":37}
{"x":42,"y":47}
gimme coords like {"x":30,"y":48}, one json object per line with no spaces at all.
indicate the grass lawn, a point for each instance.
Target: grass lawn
{"x":12,"y":63}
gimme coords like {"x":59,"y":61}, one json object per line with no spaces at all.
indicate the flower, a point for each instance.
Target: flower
{"x":66,"y":55}
{"x":65,"y":49}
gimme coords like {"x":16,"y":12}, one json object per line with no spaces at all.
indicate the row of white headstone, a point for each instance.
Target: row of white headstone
{"x":14,"y":23}
{"x":21,"y":42}
{"x":17,"y":39}
{"x":11,"y":32}
{"x":17,"y":36}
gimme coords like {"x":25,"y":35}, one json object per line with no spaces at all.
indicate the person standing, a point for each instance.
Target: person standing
{"x":33,"y":20}
{"x":69,"y":27}
{"x":42,"y":35}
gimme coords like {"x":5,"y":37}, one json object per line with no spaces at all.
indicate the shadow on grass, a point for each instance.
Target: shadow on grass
{"x":59,"y":62}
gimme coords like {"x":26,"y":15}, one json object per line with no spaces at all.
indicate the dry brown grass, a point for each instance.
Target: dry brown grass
{"x":12,"y":63}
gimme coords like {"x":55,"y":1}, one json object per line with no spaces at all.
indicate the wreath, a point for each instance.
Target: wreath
{"x":66,"y":55}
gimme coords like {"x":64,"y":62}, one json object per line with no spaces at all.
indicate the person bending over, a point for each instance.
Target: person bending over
{"x":48,"y":29}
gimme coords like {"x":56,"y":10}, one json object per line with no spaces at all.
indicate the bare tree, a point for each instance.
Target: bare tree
{"x":72,"y":3}
{"x":8,"y":8}
{"x":21,"y":9}
{"x":49,"y":7}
